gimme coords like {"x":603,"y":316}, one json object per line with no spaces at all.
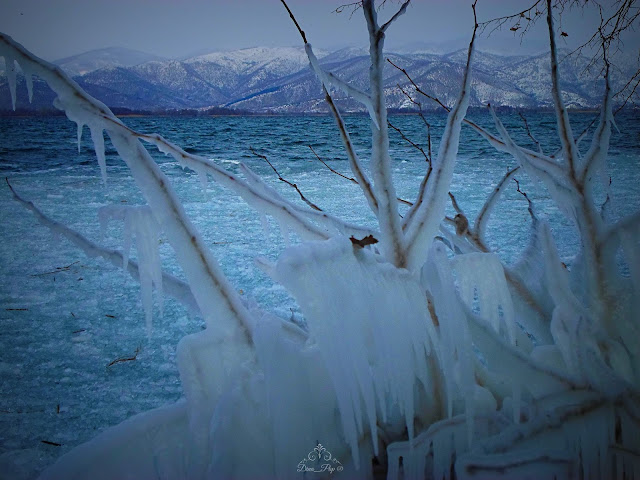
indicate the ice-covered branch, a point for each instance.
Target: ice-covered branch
{"x":428,"y":214}
{"x":597,"y":154}
{"x":279,"y":208}
{"x":388,"y":217}
{"x":328,"y":221}
{"x":217,"y":300}
{"x":328,"y":80}
{"x":171,"y":285}
{"x":508,"y":360}
{"x":401,"y":11}
{"x":494,"y":141}
{"x":569,"y":149}
{"x":552,"y":174}
{"x":480,"y":224}
{"x":354,"y":161}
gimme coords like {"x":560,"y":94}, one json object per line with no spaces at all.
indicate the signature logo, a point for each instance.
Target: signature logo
{"x":320,"y":460}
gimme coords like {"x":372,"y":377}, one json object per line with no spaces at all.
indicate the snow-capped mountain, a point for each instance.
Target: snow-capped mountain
{"x":103,"y":58}
{"x":279,"y":80}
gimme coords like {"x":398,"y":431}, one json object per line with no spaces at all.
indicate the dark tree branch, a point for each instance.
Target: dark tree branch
{"x":410,"y":142}
{"x":424,"y":120}
{"x":304,"y":37}
{"x":292,"y":185}
{"x":351,"y":179}
{"x":526,"y":125}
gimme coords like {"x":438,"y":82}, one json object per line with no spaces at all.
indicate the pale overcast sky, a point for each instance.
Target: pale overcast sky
{"x":177,"y":28}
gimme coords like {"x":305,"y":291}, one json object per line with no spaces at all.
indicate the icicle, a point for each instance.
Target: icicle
{"x":204,"y":182}
{"x":98,"y":142}
{"x":103,"y":219}
{"x":147,"y":246}
{"x":265,"y":225}
{"x":516,"y":388}
{"x":127,"y":235}
{"x":372,"y":364}
{"x":443,"y":449}
{"x":28,"y":80}
{"x":139,"y":221}
{"x":286,"y":234}
{"x":483,"y":274}
{"x":10,"y":67}
{"x":80,"y":128}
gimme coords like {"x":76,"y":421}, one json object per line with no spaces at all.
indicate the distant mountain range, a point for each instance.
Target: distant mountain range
{"x":279,"y":80}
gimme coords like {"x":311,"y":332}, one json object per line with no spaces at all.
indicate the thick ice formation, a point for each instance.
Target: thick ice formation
{"x":351,"y":303}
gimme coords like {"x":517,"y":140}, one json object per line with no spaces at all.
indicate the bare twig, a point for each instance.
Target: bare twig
{"x":410,"y":142}
{"x":292,"y":185}
{"x":354,"y":161}
{"x":355,"y":6}
{"x":526,"y":125}
{"x":57,"y":270}
{"x":304,"y":37}
{"x":529,"y":202}
{"x":421,"y":114}
{"x":127,"y":359}
{"x":54,"y":444}
{"x":529,"y":15}
{"x":418,"y":89}
{"x":351,"y":179}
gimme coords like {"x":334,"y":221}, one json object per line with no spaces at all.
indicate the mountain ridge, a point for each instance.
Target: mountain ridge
{"x":279,"y":80}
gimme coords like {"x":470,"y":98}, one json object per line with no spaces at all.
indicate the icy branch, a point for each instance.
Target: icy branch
{"x":400,"y":12}
{"x":552,"y":174}
{"x":480,"y":224}
{"x":569,"y":149}
{"x":596,"y":156}
{"x":278,"y":208}
{"x":328,"y":79}
{"x":388,"y":218}
{"x":217,"y":300}
{"x":330,"y":222}
{"x":354,"y":161}
{"x":428,"y":213}
{"x":494,"y":141}
{"x":171,"y":285}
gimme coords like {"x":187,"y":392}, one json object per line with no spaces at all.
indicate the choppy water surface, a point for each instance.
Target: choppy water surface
{"x":66,"y":317}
